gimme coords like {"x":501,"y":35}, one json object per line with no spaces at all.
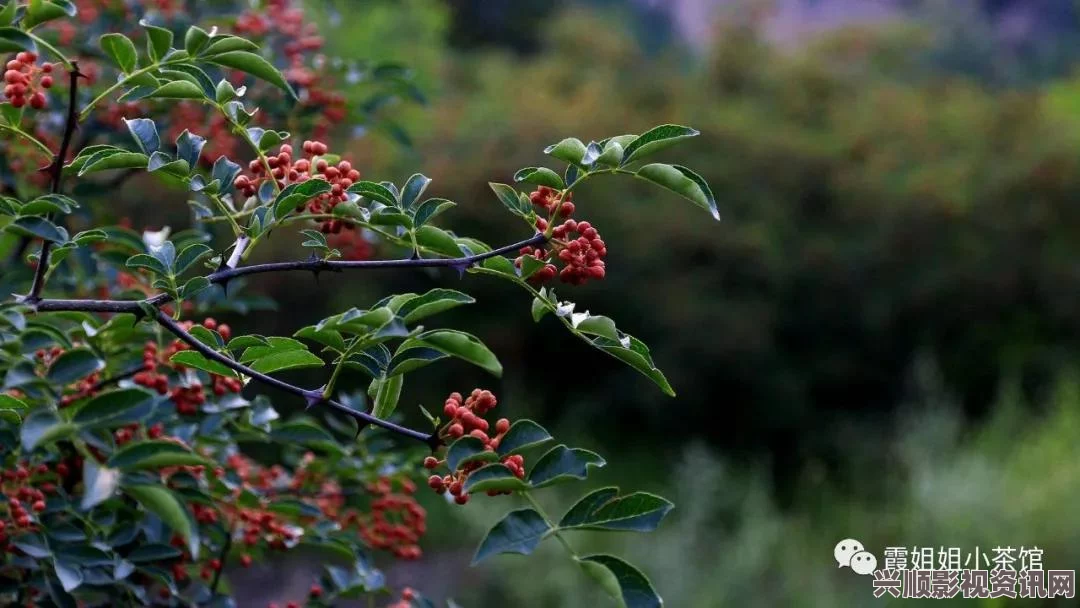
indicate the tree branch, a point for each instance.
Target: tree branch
{"x":314,"y":397}
{"x":226,"y":274}
{"x":57,"y":171}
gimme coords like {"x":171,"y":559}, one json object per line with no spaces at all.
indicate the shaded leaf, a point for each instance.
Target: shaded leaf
{"x":561,"y":463}
{"x":656,"y":139}
{"x":255,"y":65}
{"x":541,"y":176}
{"x":522,"y":435}
{"x":603,"y":509}
{"x":462,"y":345}
{"x":622,"y":581}
{"x":520,"y":531}
{"x":154,"y":454}
{"x":164,"y":503}
{"x":683,"y":182}
{"x":74,"y":365}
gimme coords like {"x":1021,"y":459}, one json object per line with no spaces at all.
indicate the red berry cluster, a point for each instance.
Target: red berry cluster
{"x":548,"y":199}
{"x":19,"y":79}
{"x":577,"y":245}
{"x":25,"y":487}
{"x":187,"y":397}
{"x":396,"y":521}
{"x":284,"y":170}
{"x":466,"y":418}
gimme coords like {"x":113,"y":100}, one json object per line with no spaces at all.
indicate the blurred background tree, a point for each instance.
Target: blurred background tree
{"x":878,"y":341}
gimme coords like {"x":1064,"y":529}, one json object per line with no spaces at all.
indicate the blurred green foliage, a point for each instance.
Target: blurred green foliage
{"x":871,"y":213}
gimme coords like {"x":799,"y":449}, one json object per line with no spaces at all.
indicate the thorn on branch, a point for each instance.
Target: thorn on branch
{"x":314,"y":398}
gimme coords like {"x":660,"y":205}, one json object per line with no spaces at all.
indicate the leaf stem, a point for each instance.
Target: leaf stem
{"x":28,"y":137}
{"x":554,"y":529}
{"x":109,"y":91}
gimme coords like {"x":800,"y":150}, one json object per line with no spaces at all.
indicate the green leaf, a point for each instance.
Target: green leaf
{"x":7,"y":14}
{"x":683,"y":182}
{"x":634,"y":353}
{"x":437,"y":240}
{"x":49,"y":203}
{"x":656,"y":139}
{"x":116,"y":407}
{"x":494,"y":477}
{"x":37,"y":227}
{"x":539,"y":309}
{"x":43,"y":427}
{"x":561,"y":463}
{"x":195,"y":40}
{"x":432,"y":302}
{"x":190,"y":255}
{"x":570,"y":150}
{"x":622,"y":581}
{"x":294,"y":195}
{"x":106,"y":160}
{"x":430,"y":208}
{"x":509,"y":198}
{"x":462,"y":345}
{"x":301,"y":431}
{"x":69,"y":575}
{"x":153,"y":553}
{"x":413,"y":190}
{"x":121,"y":50}
{"x":158,"y":40}
{"x":190,"y":358}
{"x":8,"y":402}
{"x":252,"y":64}
{"x":74,"y":365}
{"x":374,"y":192}
{"x":290,"y":359}
{"x":468,"y":449}
{"x":13,"y":39}
{"x":326,"y":337}
{"x":274,"y":344}
{"x":409,"y":359}
{"x":541,"y":176}
{"x":522,"y":435}
{"x":42,"y":11}
{"x":154,"y":454}
{"x":165,"y":504}
{"x":148,"y":262}
{"x":521,"y":531}
{"x":145,"y":133}
{"x":225,"y":44}
{"x":612,"y":155}
{"x":603,"y":509}
{"x":386,"y":398}
{"x":178,"y":89}
{"x":189,"y":147}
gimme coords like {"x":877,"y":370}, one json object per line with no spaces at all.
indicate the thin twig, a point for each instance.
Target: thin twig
{"x":57,"y":171}
{"x":311,"y":397}
{"x":225,"y":548}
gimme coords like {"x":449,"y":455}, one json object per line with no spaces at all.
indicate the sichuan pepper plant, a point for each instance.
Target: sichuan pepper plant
{"x":128,"y":413}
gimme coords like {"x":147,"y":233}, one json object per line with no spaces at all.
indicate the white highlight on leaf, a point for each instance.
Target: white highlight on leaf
{"x":99,"y":484}
{"x":577,"y":318}
{"x":564,"y":308}
{"x":625,"y":341}
{"x":154,"y":239}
